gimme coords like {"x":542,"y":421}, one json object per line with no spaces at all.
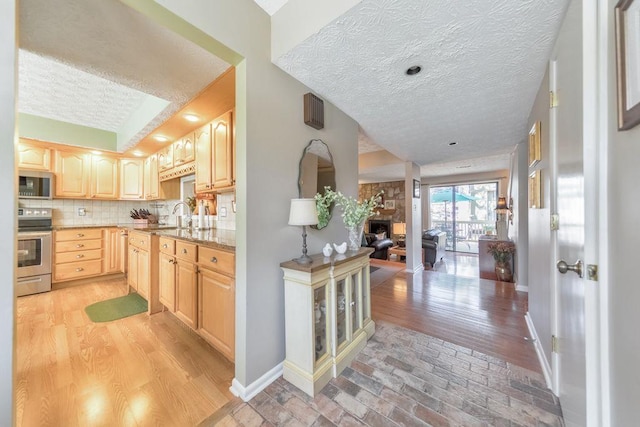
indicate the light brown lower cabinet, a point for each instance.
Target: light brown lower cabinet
{"x":187,"y":293}
{"x":197,"y":284}
{"x":217,"y":311}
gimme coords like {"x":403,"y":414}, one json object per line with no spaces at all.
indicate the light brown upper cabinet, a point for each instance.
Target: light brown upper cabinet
{"x":132,"y":179}
{"x":214,"y":155}
{"x":72,"y":174}
{"x":104,"y":177}
{"x":33,"y":157}
{"x":184,"y":150}
{"x":222,"y":141}
{"x":165,"y":158}
{"x":203,"y":158}
{"x":151,"y":180}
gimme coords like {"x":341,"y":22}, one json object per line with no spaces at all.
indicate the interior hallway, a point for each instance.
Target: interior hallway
{"x":472,"y":369}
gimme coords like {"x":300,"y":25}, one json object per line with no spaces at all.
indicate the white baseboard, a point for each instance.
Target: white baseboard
{"x":248,"y":392}
{"x":546,"y":368}
{"x":522,"y":288}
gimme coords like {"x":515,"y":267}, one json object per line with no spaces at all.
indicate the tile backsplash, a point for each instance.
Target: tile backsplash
{"x":66,"y":212}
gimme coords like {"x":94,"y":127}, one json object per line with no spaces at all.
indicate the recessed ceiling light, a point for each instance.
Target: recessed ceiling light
{"x":191,"y":117}
{"x":160,"y":138}
{"x":412,"y":71}
{"x":453,"y":143}
{"x":138,"y":153}
{"x":463,"y":167}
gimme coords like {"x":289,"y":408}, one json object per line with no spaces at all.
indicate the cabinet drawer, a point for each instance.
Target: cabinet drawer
{"x":76,"y":256}
{"x":215,"y":259}
{"x":167,"y":246}
{"x":82,"y":245}
{"x":78,"y":234}
{"x":186,"y":251}
{"x":77,"y":270}
{"x":140,"y":240}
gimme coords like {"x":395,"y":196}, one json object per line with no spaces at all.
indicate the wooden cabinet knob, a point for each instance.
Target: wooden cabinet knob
{"x":80,"y":256}
{"x":214,"y":259}
{"x":165,"y":246}
{"x":79,"y":246}
{"x":184,"y":251}
{"x":79,"y":235}
{"x":79,"y":269}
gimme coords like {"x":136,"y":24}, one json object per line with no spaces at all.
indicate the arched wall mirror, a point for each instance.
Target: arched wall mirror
{"x":316,"y":172}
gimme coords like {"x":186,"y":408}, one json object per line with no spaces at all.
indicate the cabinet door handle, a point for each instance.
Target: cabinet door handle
{"x":79,"y":235}
{"x":79,"y":246}
{"x":184,"y":251}
{"x":165,"y":246}
{"x":79,"y":269}
{"x":80,"y":256}
{"x":214,"y":259}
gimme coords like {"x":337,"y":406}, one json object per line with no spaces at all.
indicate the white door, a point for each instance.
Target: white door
{"x":566,"y":79}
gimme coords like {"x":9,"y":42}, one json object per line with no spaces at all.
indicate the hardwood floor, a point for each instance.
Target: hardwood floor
{"x":139,"y":370}
{"x":480,"y":314}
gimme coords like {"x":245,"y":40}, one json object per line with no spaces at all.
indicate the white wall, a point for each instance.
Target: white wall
{"x":270,"y":138}
{"x":8,"y":142}
{"x":540,"y":262}
{"x":624,"y":237}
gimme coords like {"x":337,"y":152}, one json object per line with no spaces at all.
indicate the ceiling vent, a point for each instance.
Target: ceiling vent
{"x":313,"y":111}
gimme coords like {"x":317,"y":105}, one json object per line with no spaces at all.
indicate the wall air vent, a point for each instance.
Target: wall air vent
{"x":313,"y":111}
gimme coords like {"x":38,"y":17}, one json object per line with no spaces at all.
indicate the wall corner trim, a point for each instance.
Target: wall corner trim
{"x":247,"y":393}
{"x":544,"y":363}
{"x":522,"y":288}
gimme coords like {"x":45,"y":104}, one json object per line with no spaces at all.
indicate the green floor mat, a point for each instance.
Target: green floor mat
{"x":116,"y":308}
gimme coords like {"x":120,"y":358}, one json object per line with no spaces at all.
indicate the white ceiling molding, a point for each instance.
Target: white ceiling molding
{"x":271,"y":6}
{"x":110,"y":40}
{"x":482,"y":63}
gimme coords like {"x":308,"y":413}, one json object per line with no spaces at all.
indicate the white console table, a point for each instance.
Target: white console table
{"x":327,"y":316}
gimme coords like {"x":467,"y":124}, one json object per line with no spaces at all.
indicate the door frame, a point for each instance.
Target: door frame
{"x":596,"y":33}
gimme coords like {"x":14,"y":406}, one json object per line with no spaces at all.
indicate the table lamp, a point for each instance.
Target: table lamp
{"x":502,"y":213}
{"x":303,"y":212}
{"x":400,"y":230}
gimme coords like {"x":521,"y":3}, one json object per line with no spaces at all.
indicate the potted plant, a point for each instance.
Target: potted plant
{"x":502,"y":253}
{"x":354,"y":212}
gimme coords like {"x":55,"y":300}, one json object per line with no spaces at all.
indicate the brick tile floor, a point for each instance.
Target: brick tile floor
{"x":405,"y":378}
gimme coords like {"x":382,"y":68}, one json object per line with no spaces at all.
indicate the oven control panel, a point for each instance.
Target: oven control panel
{"x":35,"y":213}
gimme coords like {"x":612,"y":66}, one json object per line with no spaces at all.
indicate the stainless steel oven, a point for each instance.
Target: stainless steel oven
{"x":34,"y":251}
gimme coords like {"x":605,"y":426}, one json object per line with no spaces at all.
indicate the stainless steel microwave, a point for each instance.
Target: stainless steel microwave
{"x":35,"y":185}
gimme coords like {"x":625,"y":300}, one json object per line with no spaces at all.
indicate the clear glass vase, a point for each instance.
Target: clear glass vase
{"x":503,"y":271}
{"x":354,"y":235}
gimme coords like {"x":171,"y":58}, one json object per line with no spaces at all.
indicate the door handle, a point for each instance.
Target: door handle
{"x":563,"y":267}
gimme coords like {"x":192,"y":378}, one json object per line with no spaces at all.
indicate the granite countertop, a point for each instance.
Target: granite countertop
{"x":215,"y":237}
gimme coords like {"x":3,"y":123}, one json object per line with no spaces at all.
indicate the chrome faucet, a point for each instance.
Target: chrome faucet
{"x":180,"y":224}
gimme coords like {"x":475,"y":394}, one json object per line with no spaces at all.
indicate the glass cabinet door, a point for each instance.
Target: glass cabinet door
{"x":341,"y":319}
{"x":356,"y":320}
{"x":366,"y":293}
{"x":320,"y":322}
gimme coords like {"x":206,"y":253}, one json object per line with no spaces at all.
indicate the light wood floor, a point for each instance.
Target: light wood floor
{"x":480,"y":314}
{"x":139,"y":370}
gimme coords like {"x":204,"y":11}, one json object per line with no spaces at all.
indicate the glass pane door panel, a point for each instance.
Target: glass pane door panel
{"x":341,"y":301}
{"x":366,"y":306}
{"x":320,"y":325}
{"x":356,"y":322}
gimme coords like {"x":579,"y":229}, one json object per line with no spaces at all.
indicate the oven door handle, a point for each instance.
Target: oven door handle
{"x":23,"y":252}
{"x":24,"y":235}
{"x":29,"y":280}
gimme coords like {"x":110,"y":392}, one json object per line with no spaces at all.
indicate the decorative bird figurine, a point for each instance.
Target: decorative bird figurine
{"x":342,"y":248}
{"x":327,"y":250}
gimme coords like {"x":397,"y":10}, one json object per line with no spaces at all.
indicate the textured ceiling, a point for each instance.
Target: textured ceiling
{"x":57,"y":91}
{"x":110,"y":40}
{"x":482,"y":63}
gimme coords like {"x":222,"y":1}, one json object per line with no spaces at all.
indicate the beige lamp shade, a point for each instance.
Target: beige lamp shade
{"x":303,"y":212}
{"x":399,"y":228}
